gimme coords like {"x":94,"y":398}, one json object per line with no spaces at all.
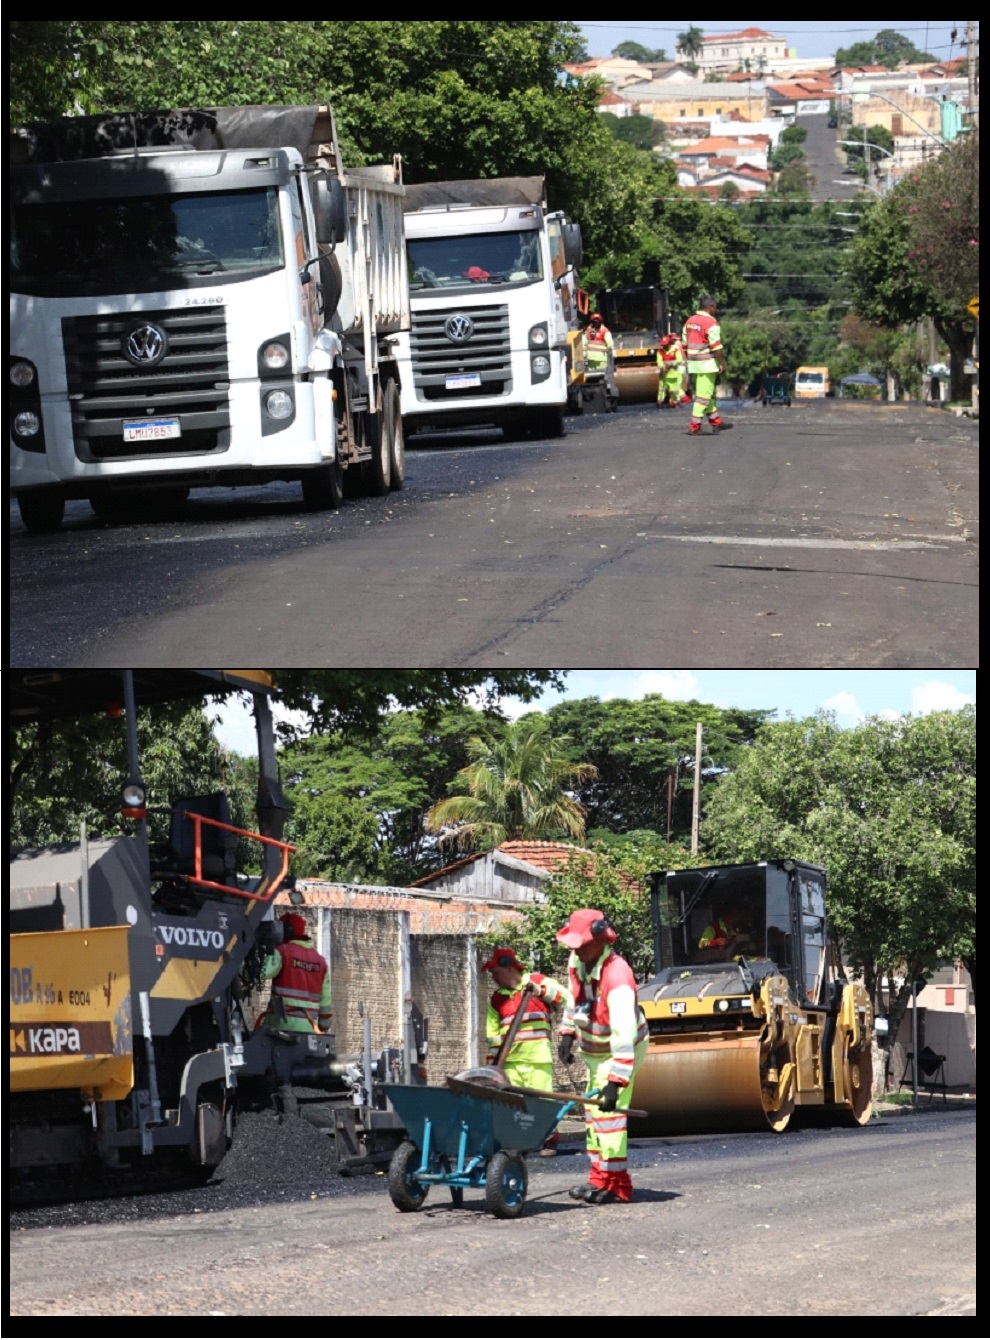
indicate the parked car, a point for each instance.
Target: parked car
{"x":833,"y":123}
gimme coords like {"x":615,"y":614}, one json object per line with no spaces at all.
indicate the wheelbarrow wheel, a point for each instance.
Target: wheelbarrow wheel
{"x":407,"y":1192}
{"x":506,"y":1180}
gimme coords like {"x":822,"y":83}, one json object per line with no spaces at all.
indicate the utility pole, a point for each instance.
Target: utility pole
{"x":696,"y":803}
{"x":972,"y":61}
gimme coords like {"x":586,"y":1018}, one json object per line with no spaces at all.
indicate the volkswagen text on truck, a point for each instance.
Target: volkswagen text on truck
{"x":201,"y":297}
{"x":491,"y":291}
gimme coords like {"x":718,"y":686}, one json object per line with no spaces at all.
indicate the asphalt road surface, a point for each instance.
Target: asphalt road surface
{"x":878,"y":1221}
{"x":833,"y":533}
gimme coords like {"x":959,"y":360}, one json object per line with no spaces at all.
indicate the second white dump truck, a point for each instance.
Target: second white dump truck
{"x":491,"y":290}
{"x":201,"y":297}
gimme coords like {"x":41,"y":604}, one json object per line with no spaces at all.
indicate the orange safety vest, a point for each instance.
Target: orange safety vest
{"x":697,"y":337}
{"x":299,"y":984}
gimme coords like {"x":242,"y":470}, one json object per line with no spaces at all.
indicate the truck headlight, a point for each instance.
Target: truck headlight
{"x":275,"y":355}
{"x":21,"y":374}
{"x":279,"y":404}
{"x":539,"y":336}
{"x":27,"y":424}
{"x":541,"y":366}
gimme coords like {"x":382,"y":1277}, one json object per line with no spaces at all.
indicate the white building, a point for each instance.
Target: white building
{"x":752,"y":49}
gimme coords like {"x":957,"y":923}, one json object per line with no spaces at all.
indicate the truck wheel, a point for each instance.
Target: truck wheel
{"x":406,"y":1191}
{"x":551,"y":422}
{"x":323,"y":487}
{"x":380,"y":465}
{"x":395,"y":435}
{"x":41,"y":511}
{"x":505,"y":1184}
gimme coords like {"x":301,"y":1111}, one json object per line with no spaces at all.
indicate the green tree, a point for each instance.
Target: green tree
{"x":691,"y":43}
{"x":636,"y":51}
{"x":784,"y":155}
{"x":70,"y":772}
{"x":888,"y":48}
{"x":793,"y":180}
{"x":875,"y":135}
{"x":748,"y":354}
{"x":889,"y":809}
{"x":518,"y":783}
{"x":793,"y":135}
{"x":916,"y":253}
{"x":358,"y":701}
{"x":642,"y":132}
{"x":643,"y":753}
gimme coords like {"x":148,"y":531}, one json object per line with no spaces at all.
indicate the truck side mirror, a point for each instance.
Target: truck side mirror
{"x":573,"y":246}
{"x":329,"y":209}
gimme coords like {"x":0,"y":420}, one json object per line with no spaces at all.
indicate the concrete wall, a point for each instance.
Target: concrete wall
{"x":444,"y":987}
{"x":365,"y":959}
{"x":951,"y":1034}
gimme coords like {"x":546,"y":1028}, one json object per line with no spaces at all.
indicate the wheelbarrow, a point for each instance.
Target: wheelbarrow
{"x":776,"y":389}
{"x":469,"y":1135}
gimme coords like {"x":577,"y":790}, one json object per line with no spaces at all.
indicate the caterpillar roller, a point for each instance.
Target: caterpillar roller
{"x":637,"y":317}
{"x":132,"y":961}
{"x":752,"y":1024}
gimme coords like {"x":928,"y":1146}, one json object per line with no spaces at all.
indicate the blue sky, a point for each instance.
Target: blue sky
{"x":850,"y":694}
{"x":813,"y":38}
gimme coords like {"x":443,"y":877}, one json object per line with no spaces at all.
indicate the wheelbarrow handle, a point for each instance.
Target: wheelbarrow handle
{"x":574,"y":1098}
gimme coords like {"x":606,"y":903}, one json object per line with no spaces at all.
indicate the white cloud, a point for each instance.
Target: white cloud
{"x":676,"y":685}
{"x":934,"y":696}
{"x":847,"y":710}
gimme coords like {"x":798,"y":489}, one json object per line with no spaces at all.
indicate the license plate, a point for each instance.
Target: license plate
{"x":677,"y":1006}
{"x":465,"y":379}
{"x":150,"y":430}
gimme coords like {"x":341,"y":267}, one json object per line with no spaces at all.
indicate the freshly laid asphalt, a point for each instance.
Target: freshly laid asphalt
{"x":833,"y":533}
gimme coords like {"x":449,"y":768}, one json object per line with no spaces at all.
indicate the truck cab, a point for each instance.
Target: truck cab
{"x":488,"y":344}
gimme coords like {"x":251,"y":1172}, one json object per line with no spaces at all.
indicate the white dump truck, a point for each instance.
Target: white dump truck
{"x":491,"y":288}
{"x":201,"y":298}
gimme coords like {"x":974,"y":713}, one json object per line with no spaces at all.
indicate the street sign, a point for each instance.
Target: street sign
{"x":973,"y":307}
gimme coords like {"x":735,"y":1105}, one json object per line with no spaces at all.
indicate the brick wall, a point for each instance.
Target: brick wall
{"x":441,"y":988}
{"x":364,"y":972}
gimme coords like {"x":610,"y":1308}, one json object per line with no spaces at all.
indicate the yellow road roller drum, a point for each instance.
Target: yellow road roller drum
{"x":751,"y":1025}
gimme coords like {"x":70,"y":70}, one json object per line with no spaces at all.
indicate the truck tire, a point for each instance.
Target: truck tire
{"x":505,"y":1184}
{"x":406,"y":1191}
{"x":323,"y":487}
{"x":41,"y":511}
{"x":395,"y":435}
{"x":379,"y":477}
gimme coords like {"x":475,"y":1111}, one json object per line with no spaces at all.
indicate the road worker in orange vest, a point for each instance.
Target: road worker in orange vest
{"x":705,"y":359}
{"x":604,"y":1019}
{"x":300,"y":980}
{"x":672,"y":386}
{"x":598,"y":344}
{"x":529,"y":1063}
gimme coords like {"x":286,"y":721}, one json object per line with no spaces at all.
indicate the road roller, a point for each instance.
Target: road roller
{"x":637,"y":317}
{"x":753,"y":1025}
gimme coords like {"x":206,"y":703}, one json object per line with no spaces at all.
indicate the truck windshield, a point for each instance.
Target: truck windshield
{"x":474,"y":260}
{"x":138,"y":244}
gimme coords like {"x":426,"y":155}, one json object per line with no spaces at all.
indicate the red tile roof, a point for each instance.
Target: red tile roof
{"x":752,"y":34}
{"x":543,"y":855}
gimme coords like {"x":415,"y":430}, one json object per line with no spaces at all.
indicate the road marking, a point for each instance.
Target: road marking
{"x":802,"y":542}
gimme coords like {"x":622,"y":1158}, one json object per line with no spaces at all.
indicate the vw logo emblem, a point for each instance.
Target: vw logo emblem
{"x":459,"y":328}
{"x":145,"y":345}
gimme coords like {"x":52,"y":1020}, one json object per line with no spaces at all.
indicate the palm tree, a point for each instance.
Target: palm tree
{"x":690,"y":43}
{"x":517,"y":786}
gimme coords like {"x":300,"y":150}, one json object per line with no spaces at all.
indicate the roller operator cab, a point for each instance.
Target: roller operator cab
{"x":751,"y":1024}
{"x":200,"y":298}
{"x":493,"y":301}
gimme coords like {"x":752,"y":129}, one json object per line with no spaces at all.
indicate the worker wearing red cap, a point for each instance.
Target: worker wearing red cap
{"x":300,"y":981}
{"x":530,"y":1059}
{"x":672,"y":370}
{"x":598,"y":344}
{"x":605,"y":1020}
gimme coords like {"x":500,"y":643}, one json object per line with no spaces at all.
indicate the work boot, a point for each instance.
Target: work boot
{"x":600,"y":1196}
{"x":685,"y":400}
{"x":721,"y":425}
{"x":582,"y":1192}
{"x":694,"y":428}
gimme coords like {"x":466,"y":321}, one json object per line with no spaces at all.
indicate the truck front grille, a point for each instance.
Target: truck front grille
{"x":487,"y":353}
{"x":190,"y":383}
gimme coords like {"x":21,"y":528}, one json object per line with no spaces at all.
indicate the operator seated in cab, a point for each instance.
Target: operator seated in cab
{"x":727,"y":936}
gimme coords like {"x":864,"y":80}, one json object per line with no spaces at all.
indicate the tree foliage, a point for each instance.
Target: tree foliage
{"x":917,"y":251}
{"x":889,"y":809}
{"x":636,"y":51}
{"x":517,"y":784}
{"x":889,"y":48}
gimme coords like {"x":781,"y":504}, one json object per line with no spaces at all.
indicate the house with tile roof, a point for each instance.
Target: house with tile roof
{"x":752,"y":48}
{"x":510,"y":874}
